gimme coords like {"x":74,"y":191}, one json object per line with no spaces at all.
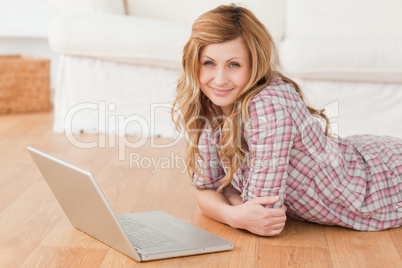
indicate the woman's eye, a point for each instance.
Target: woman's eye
{"x":234,"y":65}
{"x":208,"y":63}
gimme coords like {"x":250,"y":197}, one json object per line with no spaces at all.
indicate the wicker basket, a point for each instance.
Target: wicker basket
{"x":24,"y":84}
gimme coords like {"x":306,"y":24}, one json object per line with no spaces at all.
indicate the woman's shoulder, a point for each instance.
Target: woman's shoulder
{"x":277,"y":92}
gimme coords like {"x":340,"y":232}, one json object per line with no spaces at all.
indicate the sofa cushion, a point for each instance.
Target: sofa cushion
{"x":126,"y":39}
{"x":90,"y":6}
{"x":344,"y":59}
{"x":343,"y":40}
{"x":270,"y":12}
{"x":343,"y":18}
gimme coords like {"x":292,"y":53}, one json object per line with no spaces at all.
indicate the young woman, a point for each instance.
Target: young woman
{"x":257,"y":152}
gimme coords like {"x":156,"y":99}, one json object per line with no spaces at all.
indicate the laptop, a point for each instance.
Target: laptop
{"x":142,"y":236}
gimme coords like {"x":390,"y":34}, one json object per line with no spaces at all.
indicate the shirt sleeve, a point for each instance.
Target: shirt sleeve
{"x":209,"y":163}
{"x":269,"y":134}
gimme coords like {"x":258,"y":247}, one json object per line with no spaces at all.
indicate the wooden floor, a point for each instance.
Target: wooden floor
{"x":34,"y":232}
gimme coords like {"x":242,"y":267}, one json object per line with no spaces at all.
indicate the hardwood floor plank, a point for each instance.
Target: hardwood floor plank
{"x":351,"y":248}
{"x":245,"y":252}
{"x":396,"y":235}
{"x":113,"y":258}
{"x":65,"y":257}
{"x":64,"y":235}
{"x":293,"y":256}
{"x":300,"y":244}
{"x":15,"y":181}
{"x":68,"y":247}
{"x":25,"y":223}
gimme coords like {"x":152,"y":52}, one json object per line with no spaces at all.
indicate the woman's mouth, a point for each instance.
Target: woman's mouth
{"x":220,"y":92}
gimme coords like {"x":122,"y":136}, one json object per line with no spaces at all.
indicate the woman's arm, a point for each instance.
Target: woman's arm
{"x":251,"y":216}
{"x":269,"y":137}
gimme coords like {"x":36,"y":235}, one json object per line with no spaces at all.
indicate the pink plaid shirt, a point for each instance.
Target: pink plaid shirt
{"x":355,"y":182}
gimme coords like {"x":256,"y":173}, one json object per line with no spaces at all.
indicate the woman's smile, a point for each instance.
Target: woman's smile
{"x":221,"y":91}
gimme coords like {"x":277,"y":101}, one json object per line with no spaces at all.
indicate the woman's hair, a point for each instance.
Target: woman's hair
{"x":193,"y":111}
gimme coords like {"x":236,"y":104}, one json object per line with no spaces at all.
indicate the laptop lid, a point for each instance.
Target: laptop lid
{"x":83,"y":202}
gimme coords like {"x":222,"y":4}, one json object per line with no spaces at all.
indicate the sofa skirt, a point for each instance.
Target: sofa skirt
{"x":97,"y":96}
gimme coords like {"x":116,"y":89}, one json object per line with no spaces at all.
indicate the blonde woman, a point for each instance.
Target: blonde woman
{"x":257,"y":152}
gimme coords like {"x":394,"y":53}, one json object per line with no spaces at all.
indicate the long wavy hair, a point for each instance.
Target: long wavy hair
{"x":192,"y":110}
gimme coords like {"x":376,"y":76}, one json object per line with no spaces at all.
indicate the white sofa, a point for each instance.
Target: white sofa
{"x":120,"y":60}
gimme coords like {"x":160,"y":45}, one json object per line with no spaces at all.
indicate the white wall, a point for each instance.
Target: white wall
{"x":24,"y":29}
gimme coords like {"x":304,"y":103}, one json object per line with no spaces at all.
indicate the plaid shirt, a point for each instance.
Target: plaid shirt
{"x":355,"y":182}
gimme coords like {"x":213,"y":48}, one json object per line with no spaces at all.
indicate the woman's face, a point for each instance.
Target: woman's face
{"x":224,"y":72}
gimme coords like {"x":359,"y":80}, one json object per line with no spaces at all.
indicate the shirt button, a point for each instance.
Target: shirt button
{"x":396,"y":208}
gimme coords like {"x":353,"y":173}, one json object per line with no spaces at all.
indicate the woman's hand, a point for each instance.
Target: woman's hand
{"x":251,"y":216}
{"x":254,"y":217}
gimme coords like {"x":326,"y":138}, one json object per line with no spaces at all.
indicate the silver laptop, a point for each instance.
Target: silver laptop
{"x":142,"y":236}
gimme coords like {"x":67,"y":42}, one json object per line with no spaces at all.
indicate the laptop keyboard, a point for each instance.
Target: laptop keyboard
{"x":142,"y":236}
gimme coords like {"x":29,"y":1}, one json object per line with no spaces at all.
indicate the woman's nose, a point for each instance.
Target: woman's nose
{"x":221,"y":77}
